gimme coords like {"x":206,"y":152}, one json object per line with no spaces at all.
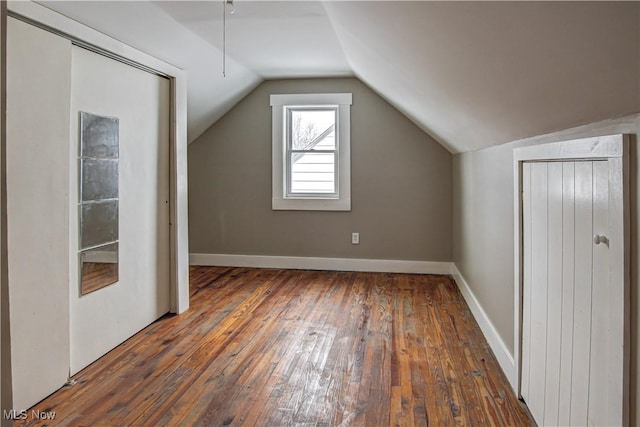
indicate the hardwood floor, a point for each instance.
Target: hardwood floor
{"x":283,"y":348}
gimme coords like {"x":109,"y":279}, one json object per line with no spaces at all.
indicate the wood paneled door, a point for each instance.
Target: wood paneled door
{"x":570,"y":375}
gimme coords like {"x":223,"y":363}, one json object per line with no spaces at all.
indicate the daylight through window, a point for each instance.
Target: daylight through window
{"x":311,"y":151}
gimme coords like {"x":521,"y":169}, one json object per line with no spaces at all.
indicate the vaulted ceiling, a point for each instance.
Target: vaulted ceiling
{"x":471,"y":74}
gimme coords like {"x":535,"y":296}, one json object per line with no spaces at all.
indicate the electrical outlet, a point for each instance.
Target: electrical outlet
{"x":355,"y":238}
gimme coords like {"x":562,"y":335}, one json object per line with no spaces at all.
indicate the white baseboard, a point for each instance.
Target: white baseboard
{"x":502,"y":353}
{"x":332,"y":264}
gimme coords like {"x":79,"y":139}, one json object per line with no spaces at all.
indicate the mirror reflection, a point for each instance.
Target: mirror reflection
{"x":99,"y":179}
{"x":99,"y":267}
{"x":99,"y":136}
{"x":98,"y":201}
{"x":98,"y":223}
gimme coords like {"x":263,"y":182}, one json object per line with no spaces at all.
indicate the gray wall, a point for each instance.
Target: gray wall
{"x":484,"y":239}
{"x":400,"y":183}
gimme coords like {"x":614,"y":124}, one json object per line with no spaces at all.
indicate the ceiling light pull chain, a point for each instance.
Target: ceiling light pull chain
{"x":224,"y":33}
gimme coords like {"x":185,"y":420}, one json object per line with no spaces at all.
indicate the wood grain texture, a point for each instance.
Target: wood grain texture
{"x":285,"y":347}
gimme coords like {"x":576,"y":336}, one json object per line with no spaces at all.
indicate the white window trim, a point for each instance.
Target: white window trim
{"x":280,"y":201}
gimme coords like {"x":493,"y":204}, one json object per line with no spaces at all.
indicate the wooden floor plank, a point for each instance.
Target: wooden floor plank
{"x":266,"y":347}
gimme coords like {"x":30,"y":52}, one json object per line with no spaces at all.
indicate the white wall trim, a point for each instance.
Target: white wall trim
{"x":500,"y":350}
{"x":311,"y":98}
{"x":587,"y":148}
{"x":625,"y":124}
{"x":314,"y":263}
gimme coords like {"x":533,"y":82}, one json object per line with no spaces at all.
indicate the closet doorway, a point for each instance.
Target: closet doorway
{"x":573,"y":280}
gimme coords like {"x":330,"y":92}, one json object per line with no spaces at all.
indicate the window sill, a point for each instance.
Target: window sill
{"x":291,"y":204}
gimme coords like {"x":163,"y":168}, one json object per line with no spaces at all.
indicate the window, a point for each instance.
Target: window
{"x":311,"y":152}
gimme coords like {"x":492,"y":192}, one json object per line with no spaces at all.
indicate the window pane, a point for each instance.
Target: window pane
{"x":313,"y":129}
{"x":313,"y":173}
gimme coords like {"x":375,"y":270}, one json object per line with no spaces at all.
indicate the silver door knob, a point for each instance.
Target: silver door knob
{"x":597,"y":239}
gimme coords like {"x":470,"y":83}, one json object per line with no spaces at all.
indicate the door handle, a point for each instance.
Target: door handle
{"x":597,"y":239}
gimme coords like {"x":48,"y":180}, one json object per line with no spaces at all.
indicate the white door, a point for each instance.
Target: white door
{"x":38,"y":85}
{"x":101,"y":320}
{"x":566,"y":367}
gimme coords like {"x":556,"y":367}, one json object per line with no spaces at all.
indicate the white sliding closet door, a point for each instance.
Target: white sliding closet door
{"x":141,"y":101}
{"x":38,"y":85}
{"x":566,"y":366}
{"x":54,"y":331}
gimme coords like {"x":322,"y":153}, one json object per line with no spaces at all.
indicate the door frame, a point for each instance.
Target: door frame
{"x":615,"y":150}
{"x":81,"y":35}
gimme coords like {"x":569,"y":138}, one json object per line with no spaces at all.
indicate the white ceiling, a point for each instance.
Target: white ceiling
{"x":143,"y":25}
{"x":471,"y":74}
{"x":274,"y":39}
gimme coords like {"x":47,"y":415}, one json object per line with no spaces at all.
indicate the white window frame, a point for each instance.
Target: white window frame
{"x":281,"y":199}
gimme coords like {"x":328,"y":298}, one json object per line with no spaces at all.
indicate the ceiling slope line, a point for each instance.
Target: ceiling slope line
{"x":372,"y":87}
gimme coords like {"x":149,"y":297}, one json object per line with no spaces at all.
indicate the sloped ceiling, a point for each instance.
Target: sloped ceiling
{"x":472,"y":74}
